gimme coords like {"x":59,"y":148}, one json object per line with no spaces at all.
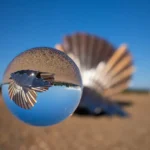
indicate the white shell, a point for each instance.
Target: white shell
{"x":104,"y":69}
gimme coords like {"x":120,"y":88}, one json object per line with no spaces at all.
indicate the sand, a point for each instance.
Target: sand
{"x":82,"y":132}
{"x":45,"y":60}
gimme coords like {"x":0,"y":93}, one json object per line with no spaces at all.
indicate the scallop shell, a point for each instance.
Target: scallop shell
{"x":103,"y":68}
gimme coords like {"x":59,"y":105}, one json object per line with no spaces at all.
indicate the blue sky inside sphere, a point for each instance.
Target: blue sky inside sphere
{"x":52,"y":107}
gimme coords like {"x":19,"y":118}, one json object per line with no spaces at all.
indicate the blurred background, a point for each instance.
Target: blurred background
{"x":26,"y":24}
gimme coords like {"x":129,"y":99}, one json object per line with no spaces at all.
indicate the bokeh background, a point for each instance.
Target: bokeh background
{"x":26,"y":24}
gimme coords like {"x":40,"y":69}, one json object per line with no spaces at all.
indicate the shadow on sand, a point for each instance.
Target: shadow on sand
{"x":93,"y":104}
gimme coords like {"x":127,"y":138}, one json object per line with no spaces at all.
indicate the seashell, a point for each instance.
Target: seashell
{"x":105,"y":71}
{"x":24,"y":85}
{"x":103,"y":68}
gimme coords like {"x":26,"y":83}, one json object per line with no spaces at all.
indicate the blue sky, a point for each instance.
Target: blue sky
{"x":51,"y":107}
{"x":26,"y":24}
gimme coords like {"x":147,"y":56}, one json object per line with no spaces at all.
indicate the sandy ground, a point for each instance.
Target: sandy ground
{"x":80,"y":132}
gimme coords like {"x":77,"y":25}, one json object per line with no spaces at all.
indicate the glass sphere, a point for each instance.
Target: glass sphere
{"x":42,"y":86}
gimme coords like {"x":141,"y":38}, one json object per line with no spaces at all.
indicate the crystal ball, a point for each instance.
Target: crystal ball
{"x":42,"y":86}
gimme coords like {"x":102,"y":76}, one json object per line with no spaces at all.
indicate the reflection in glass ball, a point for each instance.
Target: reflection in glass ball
{"x":42,"y":86}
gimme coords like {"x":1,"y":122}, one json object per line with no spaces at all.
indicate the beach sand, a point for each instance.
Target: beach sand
{"x":82,"y":132}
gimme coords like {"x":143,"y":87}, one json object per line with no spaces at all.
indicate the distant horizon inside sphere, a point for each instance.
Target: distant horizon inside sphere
{"x":42,"y":86}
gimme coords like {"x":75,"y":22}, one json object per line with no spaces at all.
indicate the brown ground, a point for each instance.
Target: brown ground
{"x":82,"y":133}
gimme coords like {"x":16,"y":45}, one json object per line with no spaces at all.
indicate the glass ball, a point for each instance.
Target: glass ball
{"x":42,"y":86}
